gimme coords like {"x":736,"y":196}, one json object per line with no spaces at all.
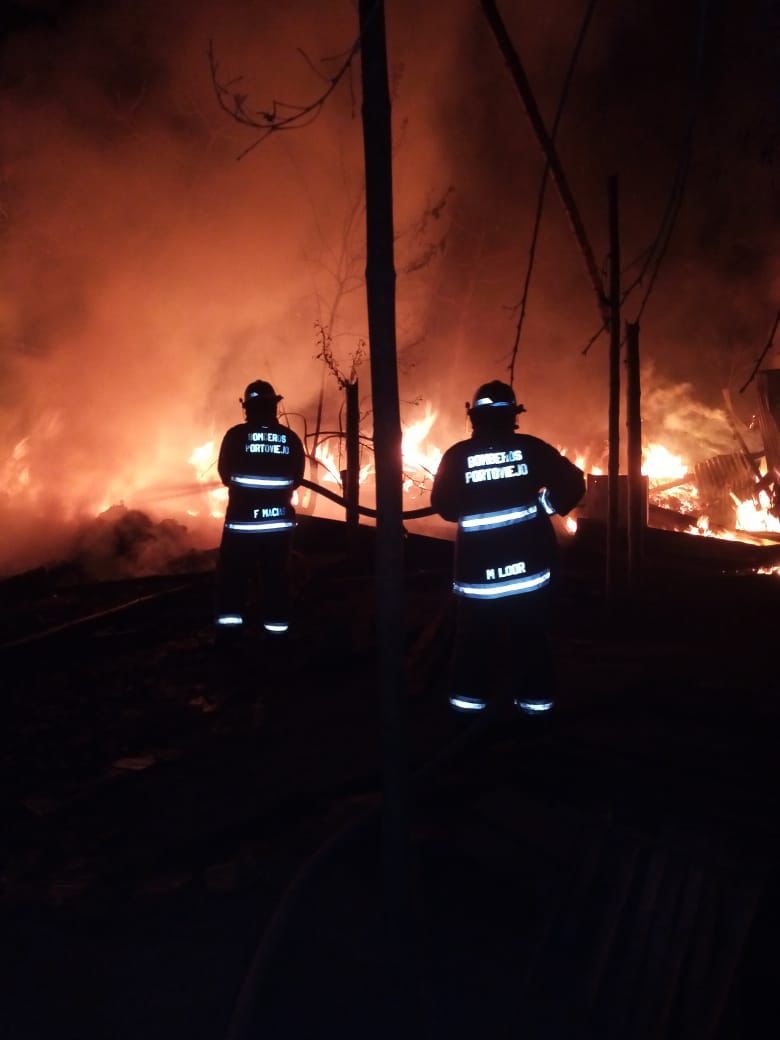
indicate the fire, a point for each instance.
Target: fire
{"x":669,"y":473}
{"x":754,"y":515}
{"x":330,"y":472}
{"x":671,"y":486}
{"x":663,"y":468}
{"x":659,"y":464}
{"x":420,"y":462}
{"x":703,"y":527}
{"x":204,"y":460}
{"x":581,"y":462}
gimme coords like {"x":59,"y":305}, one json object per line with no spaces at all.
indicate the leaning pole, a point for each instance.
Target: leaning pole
{"x":380,"y":292}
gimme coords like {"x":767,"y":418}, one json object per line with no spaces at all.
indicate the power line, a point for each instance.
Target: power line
{"x":543,"y":185}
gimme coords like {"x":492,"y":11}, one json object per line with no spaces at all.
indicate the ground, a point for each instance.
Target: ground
{"x":162,"y":800}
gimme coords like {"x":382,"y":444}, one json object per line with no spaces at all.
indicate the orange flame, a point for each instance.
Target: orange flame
{"x":420,"y":461}
{"x":660,"y":464}
{"x":204,"y":459}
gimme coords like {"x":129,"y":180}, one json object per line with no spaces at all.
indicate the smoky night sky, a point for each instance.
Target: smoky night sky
{"x":148,"y":275}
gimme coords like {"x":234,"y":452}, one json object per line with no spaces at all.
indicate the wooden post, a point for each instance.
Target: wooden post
{"x":352,"y":483}
{"x":613,"y":466}
{"x":637,"y":505}
{"x":380,"y":290}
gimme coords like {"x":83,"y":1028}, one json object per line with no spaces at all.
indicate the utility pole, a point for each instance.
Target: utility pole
{"x":380,"y":290}
{"x":613,"y":466}
{"x":637,"y":500}
{"x":352,"y":476}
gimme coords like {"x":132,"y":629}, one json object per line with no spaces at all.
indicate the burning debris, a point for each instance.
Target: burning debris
{"x":729,"y":495}
{"x":732,"y":495}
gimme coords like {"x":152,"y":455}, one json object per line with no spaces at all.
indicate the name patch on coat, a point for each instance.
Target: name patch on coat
{"x":509,"y":571}
{"x":495,"y":465}
{"x":265,"y":442}
{"x":270,"y":512}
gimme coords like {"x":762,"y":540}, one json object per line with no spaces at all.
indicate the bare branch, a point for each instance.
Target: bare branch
{"x":593,"y":338}
{"x":281,"y":115}
{"x":327,"y":356}
{"x":312,"y":66}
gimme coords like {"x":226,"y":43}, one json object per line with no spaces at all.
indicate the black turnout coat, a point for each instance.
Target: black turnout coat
{"x":501,"y":490}
{"x":261,"y":465}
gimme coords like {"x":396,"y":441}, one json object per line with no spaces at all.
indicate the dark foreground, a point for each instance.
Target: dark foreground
{"x":191,"y":844}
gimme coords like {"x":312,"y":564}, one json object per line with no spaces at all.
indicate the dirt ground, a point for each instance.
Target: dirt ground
{"x":159,"y":796}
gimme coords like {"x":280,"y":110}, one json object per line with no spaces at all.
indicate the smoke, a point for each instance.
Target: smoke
{"x":124,"y":543}
{"x":146,"y":275}
{"x":675,"y":416}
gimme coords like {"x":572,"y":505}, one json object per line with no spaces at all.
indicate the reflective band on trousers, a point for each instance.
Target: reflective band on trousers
{"x":499,"y":589}
{"x":534,"y":707}
{"x":544,"y":498}
{"x":280,"y":626}
{"x":499,"y":518}
{"x":262,"y":482}
{"x":259,"y":525}
{"x":230,"y":619}
{"x":468,"y":703}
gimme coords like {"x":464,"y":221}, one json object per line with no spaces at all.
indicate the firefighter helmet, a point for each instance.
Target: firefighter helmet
{"x":494,"y":395}
{"x":261,"y":391}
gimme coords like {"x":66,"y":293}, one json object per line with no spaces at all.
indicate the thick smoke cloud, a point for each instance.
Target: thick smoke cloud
{"x":146,"y":275}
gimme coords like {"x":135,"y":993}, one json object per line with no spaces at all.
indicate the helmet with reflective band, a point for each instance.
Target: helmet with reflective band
{"x":261,"y":390}
{"x":494,"y":395}
{"x":494,"y":406}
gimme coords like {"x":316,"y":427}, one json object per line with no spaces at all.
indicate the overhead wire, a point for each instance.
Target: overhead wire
{"x":543,"y":184}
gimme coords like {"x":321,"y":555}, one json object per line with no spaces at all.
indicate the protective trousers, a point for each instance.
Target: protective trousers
{"x":502,"y":652}
{"x":244,"y":556}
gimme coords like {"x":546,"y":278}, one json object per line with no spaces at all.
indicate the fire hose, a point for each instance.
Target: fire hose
{"x":410,"y":514}
{"x":189,"y":489}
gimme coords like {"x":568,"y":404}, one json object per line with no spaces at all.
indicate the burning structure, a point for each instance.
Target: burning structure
{"x":144,"y":270}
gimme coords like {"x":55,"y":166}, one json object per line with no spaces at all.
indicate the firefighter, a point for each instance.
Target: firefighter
{"x":261,"y":462}
{"x":501,"y":488}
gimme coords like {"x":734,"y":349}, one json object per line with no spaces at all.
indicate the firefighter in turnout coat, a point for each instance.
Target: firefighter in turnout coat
{"x":261,"y":462}
{"x":501,"y":488}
